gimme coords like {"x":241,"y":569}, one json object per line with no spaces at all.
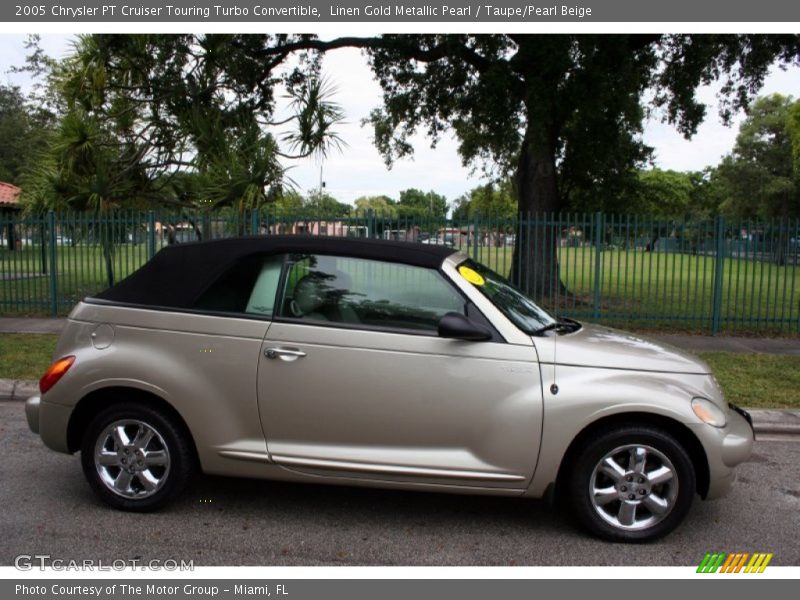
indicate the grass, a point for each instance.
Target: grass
{"x":757,"y":380}
{"x":25,"y":355}
{"x":652,"y":290}
{"x":749,"y":380}
{"x":658,"y":290}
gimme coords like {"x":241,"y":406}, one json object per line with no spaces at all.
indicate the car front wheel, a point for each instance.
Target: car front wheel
{"x":632,"y":484}
{"x":136,"y":457}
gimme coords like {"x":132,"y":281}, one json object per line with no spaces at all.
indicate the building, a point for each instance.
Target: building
{"x":9,"y":204}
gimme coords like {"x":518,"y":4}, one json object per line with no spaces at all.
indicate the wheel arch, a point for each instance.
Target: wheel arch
{"x":683,"y":434}
{"x":90,"y":404}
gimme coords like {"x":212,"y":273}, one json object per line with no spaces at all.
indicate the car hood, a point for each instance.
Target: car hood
{"x":604,"y":347}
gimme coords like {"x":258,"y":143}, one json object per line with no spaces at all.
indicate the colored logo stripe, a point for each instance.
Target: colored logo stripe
{"x":734,"y":563}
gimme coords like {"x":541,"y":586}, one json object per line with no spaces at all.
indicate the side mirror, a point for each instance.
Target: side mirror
{"x":458,"y":327}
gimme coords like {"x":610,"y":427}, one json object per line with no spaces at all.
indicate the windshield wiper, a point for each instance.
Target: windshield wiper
{"x":556,"y":325}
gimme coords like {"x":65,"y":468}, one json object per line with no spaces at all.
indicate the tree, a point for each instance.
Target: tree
{"x":23,"y":131}
{"x":176,"y":104}
{"x":322,"y":205}
{"x":562,"y":113}
{"x":760,"y":174}
{"x":419,"y":204}
{"x":383,"y":206}
{"x":491,"y":200}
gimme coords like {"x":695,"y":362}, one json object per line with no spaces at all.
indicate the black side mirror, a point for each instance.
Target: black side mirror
{"x":458,"y":327}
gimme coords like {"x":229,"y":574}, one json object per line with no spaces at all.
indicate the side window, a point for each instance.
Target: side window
{"x":250,"y":287}
{"x":366,"y":292}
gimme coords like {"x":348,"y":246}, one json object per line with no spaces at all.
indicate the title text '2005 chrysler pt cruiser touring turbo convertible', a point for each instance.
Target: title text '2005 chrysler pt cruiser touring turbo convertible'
{"x":387,"y":364}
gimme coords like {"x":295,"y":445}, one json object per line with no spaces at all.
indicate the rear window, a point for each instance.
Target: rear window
{"x":248,"y":287}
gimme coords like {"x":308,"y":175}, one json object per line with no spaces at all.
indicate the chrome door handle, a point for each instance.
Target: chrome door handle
{"x":284,"y":353}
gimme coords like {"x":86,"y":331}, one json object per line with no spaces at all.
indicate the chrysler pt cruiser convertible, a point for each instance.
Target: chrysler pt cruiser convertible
{"x":386,"y":364}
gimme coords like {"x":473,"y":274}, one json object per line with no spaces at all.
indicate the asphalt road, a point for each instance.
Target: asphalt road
{"x":47,"y":508}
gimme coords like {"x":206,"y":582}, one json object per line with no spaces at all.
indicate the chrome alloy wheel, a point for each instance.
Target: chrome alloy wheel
{"x":132,"y":459}
{"x":633,"y":487}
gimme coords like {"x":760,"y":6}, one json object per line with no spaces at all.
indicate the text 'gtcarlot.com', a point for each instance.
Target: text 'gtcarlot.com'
{"x":28,"y":562}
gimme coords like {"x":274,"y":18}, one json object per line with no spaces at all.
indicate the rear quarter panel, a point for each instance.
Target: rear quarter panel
{"x":203,"y":366}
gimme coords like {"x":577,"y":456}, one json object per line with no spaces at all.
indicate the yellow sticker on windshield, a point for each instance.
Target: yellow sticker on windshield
{"x":471,"y":275}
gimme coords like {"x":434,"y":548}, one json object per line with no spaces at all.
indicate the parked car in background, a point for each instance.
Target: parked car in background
{"x":378,"y":363}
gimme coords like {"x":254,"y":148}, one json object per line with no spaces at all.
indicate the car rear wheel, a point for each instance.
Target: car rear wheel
{"x":632,"y":484}
{"x":136,"y":457}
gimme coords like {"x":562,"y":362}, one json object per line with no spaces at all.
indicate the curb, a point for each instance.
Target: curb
{"x":17,"y":389}
{"x":765,"y":421}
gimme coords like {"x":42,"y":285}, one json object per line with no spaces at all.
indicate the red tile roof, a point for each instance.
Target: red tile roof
{"x":9,"y":194}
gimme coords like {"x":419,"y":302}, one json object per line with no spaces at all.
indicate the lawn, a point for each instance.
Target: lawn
{"x":25,"y":355}
{"x":749,"y":380}
{"x":638,"y":289}
{"x":757,"y":380}
{"x":671,"y":290}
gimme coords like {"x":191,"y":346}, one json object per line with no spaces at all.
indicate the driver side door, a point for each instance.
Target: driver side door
{"x":354,"y":381}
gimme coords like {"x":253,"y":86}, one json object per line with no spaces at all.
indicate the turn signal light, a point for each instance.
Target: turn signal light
{"x":55,"y":372}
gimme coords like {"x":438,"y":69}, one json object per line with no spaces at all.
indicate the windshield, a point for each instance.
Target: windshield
{"x":515,"y":305}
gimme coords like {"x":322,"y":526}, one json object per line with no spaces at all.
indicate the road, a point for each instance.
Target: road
{"x":47,"y":508}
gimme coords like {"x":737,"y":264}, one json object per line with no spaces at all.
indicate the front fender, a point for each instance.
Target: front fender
{"x":586,"y":395}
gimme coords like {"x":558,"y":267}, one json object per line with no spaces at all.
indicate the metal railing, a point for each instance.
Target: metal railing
{"x":626,"y":270}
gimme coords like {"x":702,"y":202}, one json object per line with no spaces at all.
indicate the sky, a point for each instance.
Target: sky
{"x":358,"y":170}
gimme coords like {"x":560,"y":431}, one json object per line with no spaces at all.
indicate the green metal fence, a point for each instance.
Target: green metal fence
{"x":626,"y":270}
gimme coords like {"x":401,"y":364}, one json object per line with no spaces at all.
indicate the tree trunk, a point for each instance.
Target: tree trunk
{"x":535,"y":264}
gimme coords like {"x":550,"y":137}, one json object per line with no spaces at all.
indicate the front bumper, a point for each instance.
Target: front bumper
{"x":32,"y":405}
{"x":726,"y":448}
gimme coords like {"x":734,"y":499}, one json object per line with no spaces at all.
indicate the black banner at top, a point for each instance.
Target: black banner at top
{"x":393,"y":11}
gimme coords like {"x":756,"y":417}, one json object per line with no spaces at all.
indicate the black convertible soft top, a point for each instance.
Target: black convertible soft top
{"x":177,"y":275}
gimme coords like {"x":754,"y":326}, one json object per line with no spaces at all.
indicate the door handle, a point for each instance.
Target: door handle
{"x":284,"y":353}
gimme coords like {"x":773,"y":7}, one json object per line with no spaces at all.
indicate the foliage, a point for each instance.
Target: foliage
{"x":416,"y":203}
{"x":760,"y":175}
{"x":490,"y":200}
{"x":322,"y":203}
{"x":561,"y":113}
{"x":381,"y":205}
{"x":183,"y":119}
{"x":24,"y":129}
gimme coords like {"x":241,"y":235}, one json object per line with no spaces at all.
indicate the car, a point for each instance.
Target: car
{"x":378,"y":363}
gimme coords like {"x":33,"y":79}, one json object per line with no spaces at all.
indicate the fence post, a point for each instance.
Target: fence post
{"x":598,"y":264}
{"x":475,"y":234}
{"x":151,"y":234}
{"x":51,"y":226}
{"x":719,"y":270}
{"x":254,"y":221}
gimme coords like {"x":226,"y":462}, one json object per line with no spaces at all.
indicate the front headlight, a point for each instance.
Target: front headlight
{"x":708,"y":412}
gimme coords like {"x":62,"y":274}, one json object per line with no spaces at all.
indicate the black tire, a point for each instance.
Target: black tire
{"x":170,"y":436}
{"x":579,"y":484}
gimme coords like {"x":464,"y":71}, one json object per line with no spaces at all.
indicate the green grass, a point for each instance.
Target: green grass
{"x":25,"y":355}
{"x":25,"y":288}
{"x":638,"y":289}
{"x":749,"y":380}
{"x":757,"y":380}
{"x":661,"y":290}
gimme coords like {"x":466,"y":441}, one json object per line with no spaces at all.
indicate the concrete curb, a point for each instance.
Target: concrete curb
{"x":17,"y":389}
{"x":765,"y":422}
